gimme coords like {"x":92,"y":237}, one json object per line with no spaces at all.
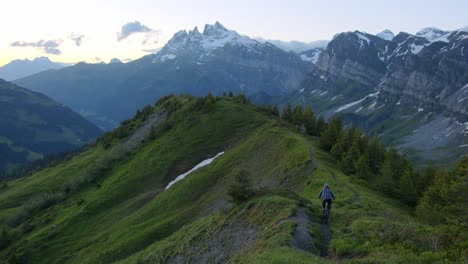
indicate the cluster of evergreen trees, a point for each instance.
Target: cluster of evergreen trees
{"x":361,"y":156}
{"x":367,"y":159}
{"x":445,"y":200}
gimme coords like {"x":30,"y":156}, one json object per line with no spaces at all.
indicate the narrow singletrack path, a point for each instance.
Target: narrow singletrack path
{"x":326,"y":235}
{"x":325,"y":228}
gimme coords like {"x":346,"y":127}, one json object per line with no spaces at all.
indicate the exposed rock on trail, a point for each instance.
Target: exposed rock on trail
{"x":301,"y":237}
{"x":142,"y":132}
{"x":230,"y":240}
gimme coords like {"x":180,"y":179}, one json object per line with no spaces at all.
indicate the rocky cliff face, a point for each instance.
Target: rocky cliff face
{"x":433,"y":76}
{"x":421,"y":77}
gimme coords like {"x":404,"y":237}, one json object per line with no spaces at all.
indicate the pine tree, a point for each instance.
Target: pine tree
{"x":321,"y":126}
{"x":275,"y":110}
{"x":241,"y":190}
{"x":338,"y":150}
{"x":242,"y":98}
{"x":331,"y":134}
{"x":350,"y":158}
{"x":288,"y":113}
{"x":376,"y":155}
{"x":344,"y":143}
{"x":385,"y":182}
{"x":230,"y":94}
{"x":430,"y":205}
{"x":407,"y":190}
{"x":399,"y":164}
{"x":297,"y":115}
{"x":309,"y":121}
{"x":426,"y":178}
{"x":363,"y":170}
{"x":363,"y":140}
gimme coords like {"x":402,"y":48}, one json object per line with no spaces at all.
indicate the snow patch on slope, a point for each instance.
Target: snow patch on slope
{"x":346,"y":106}
{"x":199,"y":165}
{"x":362,"y":39}
{"x":167,"y":57}
{"x":415,"y":49}
{"x":312,"y":59}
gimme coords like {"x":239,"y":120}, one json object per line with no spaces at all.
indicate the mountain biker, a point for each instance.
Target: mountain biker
{"x":327,"y":195}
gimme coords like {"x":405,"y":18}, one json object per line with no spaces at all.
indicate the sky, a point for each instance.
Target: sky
{"x":99,"y":30}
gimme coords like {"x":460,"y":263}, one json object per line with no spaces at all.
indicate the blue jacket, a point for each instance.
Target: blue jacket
{"x":326,"y":194}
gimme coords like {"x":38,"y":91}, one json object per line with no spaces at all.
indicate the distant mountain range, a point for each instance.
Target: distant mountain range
{"x":296,"y":46}
{"x":216,"y":60}
{"x":408,"y":88}
{"x":21,"y":68}
{"x":32,"y":125}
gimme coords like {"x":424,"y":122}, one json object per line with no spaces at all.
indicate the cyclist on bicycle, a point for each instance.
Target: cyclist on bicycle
{"x":327,"y":195}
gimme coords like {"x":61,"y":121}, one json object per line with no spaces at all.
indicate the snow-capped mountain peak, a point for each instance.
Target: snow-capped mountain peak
{"x":216,"y":36}
{"x":215,"y":29}
{"x":213,"y":37}
{"x":195,"y":31}
{"x":386,"y":35}
{"x":465,"y":29}
{"x":431,"y":33}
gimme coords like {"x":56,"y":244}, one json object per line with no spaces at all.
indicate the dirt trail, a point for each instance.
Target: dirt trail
{"x":326,"y":235}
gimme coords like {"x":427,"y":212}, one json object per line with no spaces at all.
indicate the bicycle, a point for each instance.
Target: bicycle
{"x":325,"y":214}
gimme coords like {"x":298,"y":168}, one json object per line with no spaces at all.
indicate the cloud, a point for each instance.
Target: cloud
{"x":149,"y":39}
{"x":132,"y":28}
{"x":77,"y":38}
{"x":48,"y":46}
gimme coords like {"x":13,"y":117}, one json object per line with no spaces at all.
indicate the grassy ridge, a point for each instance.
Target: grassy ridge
{"x":124,"y":214}
{"x":87,"y":220}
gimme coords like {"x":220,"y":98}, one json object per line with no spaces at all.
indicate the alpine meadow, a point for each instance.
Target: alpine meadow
{"x":124,"y":139}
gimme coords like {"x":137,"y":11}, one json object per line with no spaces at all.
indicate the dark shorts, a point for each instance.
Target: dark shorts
{"x":329,"y":203}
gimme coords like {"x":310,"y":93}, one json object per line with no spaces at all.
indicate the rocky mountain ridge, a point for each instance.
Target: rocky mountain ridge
{"x":363,"y":76}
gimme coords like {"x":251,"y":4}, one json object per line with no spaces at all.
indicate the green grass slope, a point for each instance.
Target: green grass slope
{"x":109,"y":204}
